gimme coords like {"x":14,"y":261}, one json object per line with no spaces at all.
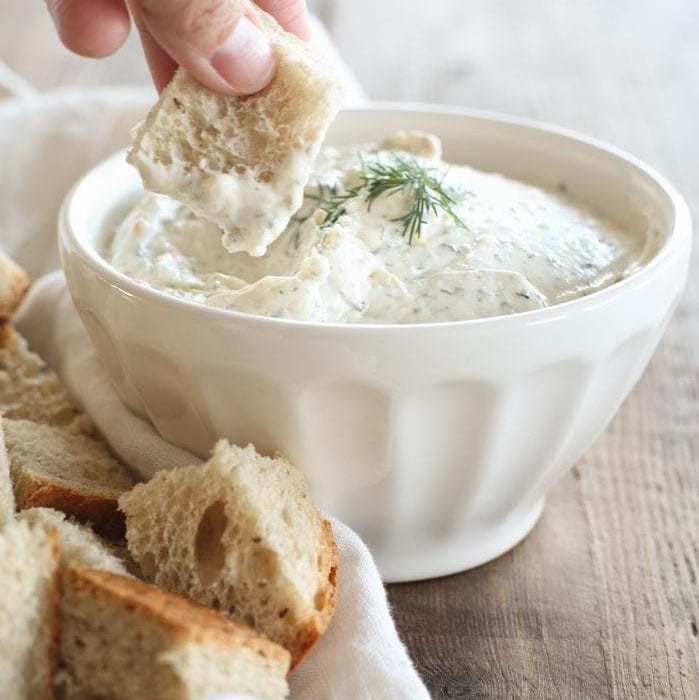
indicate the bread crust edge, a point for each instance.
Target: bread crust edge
{"x":320,"y":621}
{"x":154,"y":602}
{"x":98,"y":511}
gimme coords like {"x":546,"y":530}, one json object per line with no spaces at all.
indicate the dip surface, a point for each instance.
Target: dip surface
{"x":505,"y":247}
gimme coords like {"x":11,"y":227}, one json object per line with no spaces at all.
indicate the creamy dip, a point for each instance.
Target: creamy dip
{"x":250,"y":210}
{"x":505,"y":247}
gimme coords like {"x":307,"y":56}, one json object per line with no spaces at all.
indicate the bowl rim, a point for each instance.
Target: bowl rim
{"x":679,"y":234}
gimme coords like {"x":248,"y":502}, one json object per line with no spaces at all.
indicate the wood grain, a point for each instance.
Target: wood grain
{"x":602,"y":600}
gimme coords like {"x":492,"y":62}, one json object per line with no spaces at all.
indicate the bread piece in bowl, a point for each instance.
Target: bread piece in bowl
{"x":241,"y":162}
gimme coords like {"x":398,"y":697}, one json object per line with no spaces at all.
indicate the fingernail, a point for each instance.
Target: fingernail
{"x":245,"y":60}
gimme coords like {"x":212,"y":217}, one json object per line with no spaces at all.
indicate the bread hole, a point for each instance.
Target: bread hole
{"x":209,"y":553}
{"x":264,"y":563}
{"x":249,"y":620}
{"x":286,"y":517}
{"x":283,"y":613}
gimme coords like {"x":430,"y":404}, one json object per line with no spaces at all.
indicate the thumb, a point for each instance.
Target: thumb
{"x":217,"y":41}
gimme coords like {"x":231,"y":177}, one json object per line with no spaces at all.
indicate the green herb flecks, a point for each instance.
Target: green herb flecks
{"x":426,"y":192}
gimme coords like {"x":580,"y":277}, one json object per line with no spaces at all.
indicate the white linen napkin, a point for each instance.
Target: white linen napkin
{"x":50,"y":140}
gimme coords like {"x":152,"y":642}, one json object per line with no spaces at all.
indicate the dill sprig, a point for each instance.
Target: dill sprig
{"x":427,"y":193}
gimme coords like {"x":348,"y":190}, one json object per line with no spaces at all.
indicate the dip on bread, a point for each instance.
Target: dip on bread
{"x":387,"y":233}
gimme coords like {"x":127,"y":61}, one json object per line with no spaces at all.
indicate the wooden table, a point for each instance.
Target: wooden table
{"x":602,"y":599}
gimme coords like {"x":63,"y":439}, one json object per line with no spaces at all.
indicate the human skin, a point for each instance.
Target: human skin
{"x":217,"y":41}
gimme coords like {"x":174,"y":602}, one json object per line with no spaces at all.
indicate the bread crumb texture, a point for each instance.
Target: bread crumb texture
{"x":28,"y":389}
{"x":28,"y":611}
{"x":78,"y":543}
{"x":195,"y":128}
{"x":129,"y":640}
{"x":239,"y":534}
{"x":208,"y":150}
{"x":7,"y":497}
{"x":73,"y":473}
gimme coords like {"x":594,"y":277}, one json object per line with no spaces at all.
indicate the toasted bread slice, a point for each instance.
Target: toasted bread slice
{"x":28,"y":611}
{"x":241,"y":162}
{"x":78,"y":542}
{"x":7,"y":497}
{"x":73,"y":473}
{"x":124,"y":639}
{"x":28,"y":389}
{"x":14,"y":282}
{"x":240,"y":534}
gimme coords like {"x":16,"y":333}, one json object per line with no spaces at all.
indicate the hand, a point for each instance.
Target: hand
{"x":217,"y":41}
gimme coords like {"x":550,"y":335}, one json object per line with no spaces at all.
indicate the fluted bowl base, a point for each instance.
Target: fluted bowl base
{"x":472,"y":548}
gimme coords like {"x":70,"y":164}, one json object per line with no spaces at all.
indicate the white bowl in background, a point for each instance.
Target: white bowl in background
{"x":435,"y":442}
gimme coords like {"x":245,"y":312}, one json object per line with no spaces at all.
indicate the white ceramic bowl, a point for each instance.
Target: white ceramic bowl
{"x":436,"y":442}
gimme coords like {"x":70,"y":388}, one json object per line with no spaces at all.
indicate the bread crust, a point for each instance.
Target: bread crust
{"x":184,"y":618}
{"x":99,"y":511}
{"x":5,"y":332}
{"x":326,"y":596}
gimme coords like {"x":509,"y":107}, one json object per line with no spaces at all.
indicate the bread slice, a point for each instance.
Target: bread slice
{"x":241,"y":162}
{"x":14,"y":282}
{"x":7,"y":497}
{"x":78,"y":542}
{"x":28,"y":611}
{"x":28,"y":389}
{"x":73,"y":473}
{"x":124,"y":639}
{"x":240,"y":534}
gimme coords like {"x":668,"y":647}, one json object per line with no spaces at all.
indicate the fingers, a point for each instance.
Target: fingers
{"x":92,"y":28}
{"x":291,"y":14}
{"x":161,"y":66}
{"x":217,"y":41}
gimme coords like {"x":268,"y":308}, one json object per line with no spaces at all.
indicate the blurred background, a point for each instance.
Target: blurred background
{"x":623,"y":70}
{"x":590,"y":64}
